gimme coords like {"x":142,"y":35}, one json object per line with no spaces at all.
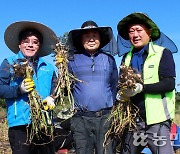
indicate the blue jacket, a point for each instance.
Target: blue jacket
{"x":99,"y":75}
{"x":18,"y":110}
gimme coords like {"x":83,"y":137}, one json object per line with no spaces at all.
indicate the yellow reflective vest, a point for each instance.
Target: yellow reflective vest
{"x":158,"y":108}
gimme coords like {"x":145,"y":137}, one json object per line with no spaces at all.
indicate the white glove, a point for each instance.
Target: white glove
{"x":49,"y":102}
{"x":121,"y":97}
{"x":132,"y":92}
{"x":26,"y":85}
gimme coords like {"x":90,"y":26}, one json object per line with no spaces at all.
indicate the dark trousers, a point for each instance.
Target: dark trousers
{"x":156,"y":137}
{"x":18,"y":138}
{"x":89,"y":134}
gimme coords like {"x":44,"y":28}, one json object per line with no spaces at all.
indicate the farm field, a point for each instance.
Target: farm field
{"x":4,"y":143}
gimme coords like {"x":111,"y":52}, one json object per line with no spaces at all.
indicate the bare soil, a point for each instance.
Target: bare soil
{"x":4,"y":142}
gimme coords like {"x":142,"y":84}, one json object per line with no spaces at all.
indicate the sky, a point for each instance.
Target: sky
{"x":64,"y":15}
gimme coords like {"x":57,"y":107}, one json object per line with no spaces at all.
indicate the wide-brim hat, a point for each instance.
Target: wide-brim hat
{"x":11,"y":36}
{"x":75,"y":36}
{"x":137,"y":18}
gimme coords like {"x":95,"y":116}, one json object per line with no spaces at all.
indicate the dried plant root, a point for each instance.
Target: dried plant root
{"x":64,"y":83}
{"x":41,"y":120}
{"x":124,"y":111}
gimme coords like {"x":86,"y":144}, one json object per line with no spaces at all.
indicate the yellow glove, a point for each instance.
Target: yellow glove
{"x":59,"y":59}
{"x":26,"y":85}
{"x":48,"y":103}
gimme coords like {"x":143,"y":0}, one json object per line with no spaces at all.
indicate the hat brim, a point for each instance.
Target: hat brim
{"x":11,"y":36}
{"x":137,"y":18}
{"x":75,"y":36}
{"x":124,"y":46}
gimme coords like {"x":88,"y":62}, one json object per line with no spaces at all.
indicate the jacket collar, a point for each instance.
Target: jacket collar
{"x":39,"y":60}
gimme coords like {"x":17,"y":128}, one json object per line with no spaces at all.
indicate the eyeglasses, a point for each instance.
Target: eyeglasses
{"x":31,"y":42}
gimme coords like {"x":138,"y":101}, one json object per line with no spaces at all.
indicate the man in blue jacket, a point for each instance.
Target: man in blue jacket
{"x":94,"y":97}
{"x":30,"y":41}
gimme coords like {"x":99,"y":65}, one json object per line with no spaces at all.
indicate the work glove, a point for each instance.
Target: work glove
{"x":132,"y":92}
{"x":121,"y":97}
{"x":26,"y":85}
{"x":58,"y":60}
{"x":48,"y":103}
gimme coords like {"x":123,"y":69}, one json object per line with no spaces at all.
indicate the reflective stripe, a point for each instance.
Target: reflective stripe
{"x":166,"y":111}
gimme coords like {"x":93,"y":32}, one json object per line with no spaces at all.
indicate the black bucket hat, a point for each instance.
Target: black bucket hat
{"x":137,"y":18}
{"x":75,"y":36}
{"x":11,"y":36}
